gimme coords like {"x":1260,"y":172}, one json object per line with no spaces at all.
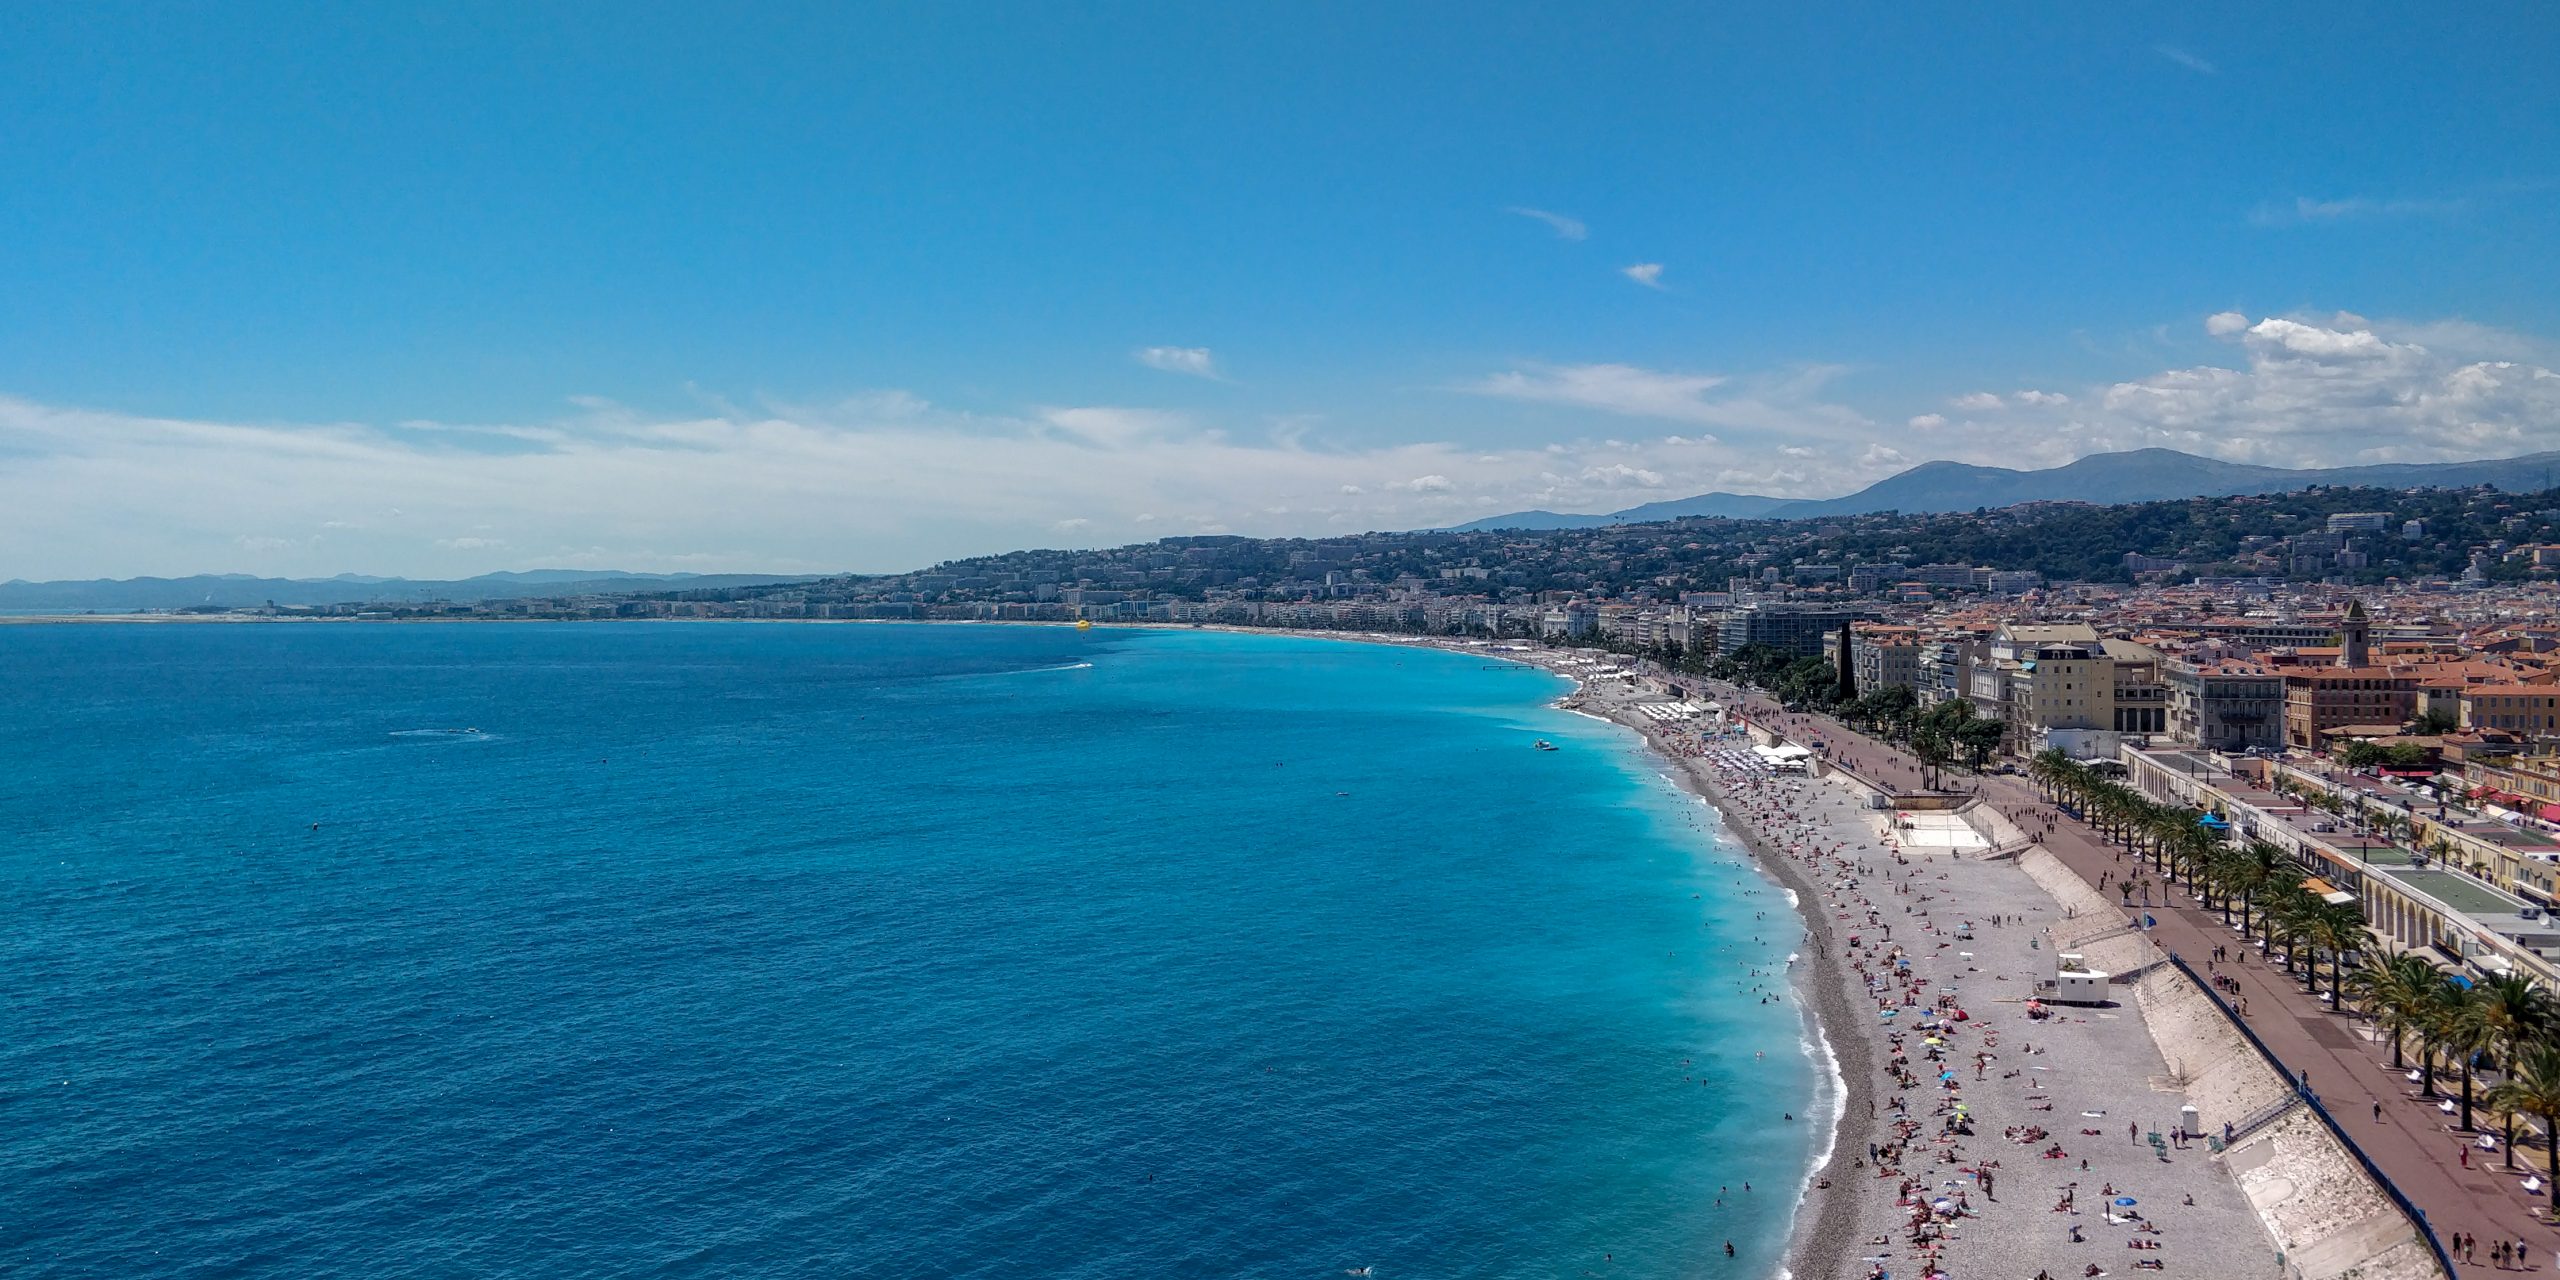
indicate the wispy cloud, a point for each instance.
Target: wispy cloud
{"x":2327,"y":389}
{"x":877,"y":481}
{"x":1785,"y":402}
{"x":1565,"y":227}
{"x":1648,"y":274}
{"x":888,"y":480}
{"x":2305,"y":210}
{"x":1611,"y":388}
{"x":1195,"y":361}
{"x":2185,"y":59}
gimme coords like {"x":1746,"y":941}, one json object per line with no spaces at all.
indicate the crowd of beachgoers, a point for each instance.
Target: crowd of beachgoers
{"x":1982,"y":1131}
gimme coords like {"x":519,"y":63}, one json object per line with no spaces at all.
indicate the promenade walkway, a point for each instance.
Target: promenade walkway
{"x":2405,"y":1136}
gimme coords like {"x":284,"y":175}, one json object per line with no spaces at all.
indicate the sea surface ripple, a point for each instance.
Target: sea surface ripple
{"x":792,"y":950}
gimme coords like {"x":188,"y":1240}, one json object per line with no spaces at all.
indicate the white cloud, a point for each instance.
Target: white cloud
{"x":1750,"y":411}
{"x":2312,"y":394}
{"x":2320,"y":389}
{"x":1977,"y":401}
{"x":1195,"y":361}
{"x":1648,"y":274}
{"x":1566,"y":228}
{"x":888,"y":481}
{"x":1612,"y":388}
{"x":1618,"y":475}
{"x":1114,"y":427}
{"x":2185,"y":59}
{"x":85,"y":493}
{"x":2305,"y":209}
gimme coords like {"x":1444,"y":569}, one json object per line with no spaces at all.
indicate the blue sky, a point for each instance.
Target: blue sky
{"x":859,"y":287}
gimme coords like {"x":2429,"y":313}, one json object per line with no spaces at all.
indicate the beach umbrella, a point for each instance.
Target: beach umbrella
{"x":2125,"y":1201}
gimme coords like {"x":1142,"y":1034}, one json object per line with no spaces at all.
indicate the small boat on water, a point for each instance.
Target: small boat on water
{"x":1544,"y":745}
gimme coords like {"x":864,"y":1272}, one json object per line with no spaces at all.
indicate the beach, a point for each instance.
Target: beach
{"x":1975,"y":1137}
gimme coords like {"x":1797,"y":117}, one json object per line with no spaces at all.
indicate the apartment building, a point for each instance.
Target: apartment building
{"x":2525,"y":710}
{"x":2225,"y":704}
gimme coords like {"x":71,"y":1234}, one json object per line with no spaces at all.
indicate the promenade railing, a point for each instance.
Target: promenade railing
{"x":2301,"y":1087}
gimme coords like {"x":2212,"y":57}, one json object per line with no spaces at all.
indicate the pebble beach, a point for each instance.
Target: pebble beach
{"x":1978,"y":1136}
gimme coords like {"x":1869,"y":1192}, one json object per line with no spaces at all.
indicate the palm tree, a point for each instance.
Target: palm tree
{"x":2514,"y":1011}
{"x":2168,"y":827}
{"x":2258,"y":869}
{"x":2339,"y":928}
{"x":2438,"y":1020}
{"x":2214,"y":864}
{"x":2047,"y":770}
{"x":2502,"y":1109}
{"x":2288,"y":918}
{"x":2467,"y":1037}
{"x":2393,"y":991}
{"x":2196,"y":849}
{"x":2533,"y":1087}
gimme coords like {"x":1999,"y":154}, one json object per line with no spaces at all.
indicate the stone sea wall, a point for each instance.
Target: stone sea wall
{"x":2330,"y":1219}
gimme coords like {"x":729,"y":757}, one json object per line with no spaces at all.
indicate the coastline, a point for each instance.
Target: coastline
{"x":1819,"y":1237}
{"x":1800,"y":834}
{"x":1905,"y":1184}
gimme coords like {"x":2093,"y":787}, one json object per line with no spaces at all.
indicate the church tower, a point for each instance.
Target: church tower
{"x":2355,"y":637}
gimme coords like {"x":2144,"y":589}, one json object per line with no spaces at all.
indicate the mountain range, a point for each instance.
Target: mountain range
{"x":2138,"y":475}
{"x":234,"y":590}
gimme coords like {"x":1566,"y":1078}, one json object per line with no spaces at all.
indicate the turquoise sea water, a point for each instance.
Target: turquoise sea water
{"x":782,"y":950}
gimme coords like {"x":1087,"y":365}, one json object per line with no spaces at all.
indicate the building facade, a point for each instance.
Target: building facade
{"x":2225,"y":705}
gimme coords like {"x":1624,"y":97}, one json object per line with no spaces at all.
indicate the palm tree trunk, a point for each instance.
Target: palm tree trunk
{"x":2398,"y":1032}
{"x":2466,"y":1093}
{"x":2514,"y":1047}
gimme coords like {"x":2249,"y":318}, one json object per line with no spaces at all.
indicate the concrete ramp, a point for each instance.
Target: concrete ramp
{"x":1939,"y":832}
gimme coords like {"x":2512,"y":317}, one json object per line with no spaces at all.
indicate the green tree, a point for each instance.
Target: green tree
{"x":2514,"y":1011}
{"x":2394,"y":990}
{"x":1980,"y":738}
{"x":2533,"y":1087}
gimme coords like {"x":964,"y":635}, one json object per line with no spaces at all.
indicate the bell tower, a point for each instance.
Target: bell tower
{"x":2355,"y":637}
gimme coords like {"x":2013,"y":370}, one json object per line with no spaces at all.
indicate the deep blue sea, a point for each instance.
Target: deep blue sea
{"x":828,"y":950}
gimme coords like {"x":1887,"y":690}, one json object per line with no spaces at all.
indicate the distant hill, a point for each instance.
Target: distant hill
{"x":127,"y":595}
{"x":2139,"y":475}
{"x":1740,"y":506}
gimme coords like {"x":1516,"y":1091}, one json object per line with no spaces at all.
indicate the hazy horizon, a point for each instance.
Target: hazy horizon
{"x":430,"y":296}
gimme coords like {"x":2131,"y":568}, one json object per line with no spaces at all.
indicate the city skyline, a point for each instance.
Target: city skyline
{"x":816,"y":292}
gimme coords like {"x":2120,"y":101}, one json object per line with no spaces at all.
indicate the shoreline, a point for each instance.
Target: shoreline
{"x":1818,"y":1234}
{"x":1821,"y":985}
{"x":1818,"y":1239}
{"x":1959,"y":962}
{"x":1832,"y":1224}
